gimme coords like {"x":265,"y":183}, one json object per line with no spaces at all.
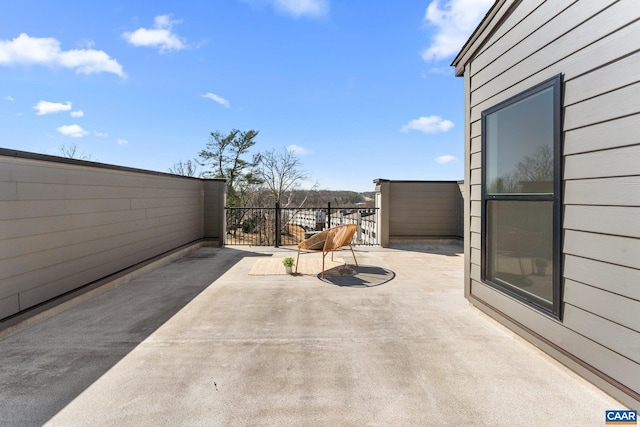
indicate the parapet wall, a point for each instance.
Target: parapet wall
{"x":419,"y":209}
{"x":66,"y":223}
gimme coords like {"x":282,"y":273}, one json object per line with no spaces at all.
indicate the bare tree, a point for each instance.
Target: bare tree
{"x":281,"y":172}
{"x":534,"y":173}
{"x":538,"y":167}
{"x":507,"y":183}
{"x":71,"y":152}
{"x":188,"y":168}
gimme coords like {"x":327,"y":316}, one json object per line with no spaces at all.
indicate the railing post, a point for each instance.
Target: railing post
{"x":277,"y":234}
{"x":383,"y":212}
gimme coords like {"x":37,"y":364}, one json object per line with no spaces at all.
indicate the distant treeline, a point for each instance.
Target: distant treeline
{"x":320,"y":198}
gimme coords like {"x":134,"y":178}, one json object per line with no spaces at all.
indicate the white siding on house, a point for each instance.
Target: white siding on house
{"x":594,"y":44}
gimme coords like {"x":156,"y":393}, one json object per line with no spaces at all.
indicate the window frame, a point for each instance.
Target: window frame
{"x":556,"y":84}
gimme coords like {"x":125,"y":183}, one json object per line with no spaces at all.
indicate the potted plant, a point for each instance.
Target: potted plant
{"x":288,"y":263}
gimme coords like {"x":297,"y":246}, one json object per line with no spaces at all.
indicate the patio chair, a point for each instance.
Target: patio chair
{"x":330,"y":240}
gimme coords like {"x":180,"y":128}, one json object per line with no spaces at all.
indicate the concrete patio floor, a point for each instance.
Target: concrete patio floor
{"x":200,"y":342}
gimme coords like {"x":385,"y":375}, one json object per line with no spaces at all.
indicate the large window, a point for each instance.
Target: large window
{"x":521,"y":196}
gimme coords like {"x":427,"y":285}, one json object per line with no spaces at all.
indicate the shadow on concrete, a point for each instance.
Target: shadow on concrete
{"x":446,"y":247}
{"x":48,"y":364}
{"x":360,"y":276}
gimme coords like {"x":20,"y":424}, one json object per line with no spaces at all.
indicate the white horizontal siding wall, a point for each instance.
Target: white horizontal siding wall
{"x":594,"y":44}
{"x":65,"y":225}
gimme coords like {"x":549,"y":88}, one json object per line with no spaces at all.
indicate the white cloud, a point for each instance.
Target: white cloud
{"x":9,"y":98}
{"x":220,"y":100}
{"x":73,"y":131}
{"x":447,"y":158}
{"x":430,"y":124}
{"x":46,"y":107}
{"x":101,"y":134}
{"x":25,"y":50}
{"x":78,"y":113}
{"x":454,"y":22}
{"x":296,"y":149}
{"x":86,"y":43}
{"x":296,"y":8}
{"x":121,"y":141}
{"x":160,"y":36}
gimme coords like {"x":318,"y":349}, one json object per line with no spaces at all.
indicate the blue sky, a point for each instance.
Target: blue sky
{"x":359,"y":89}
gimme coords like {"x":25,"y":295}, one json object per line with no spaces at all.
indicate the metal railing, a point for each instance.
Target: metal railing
{"x":257,"y":226}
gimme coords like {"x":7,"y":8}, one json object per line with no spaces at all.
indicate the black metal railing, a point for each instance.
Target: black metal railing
{"x":257,"y":226}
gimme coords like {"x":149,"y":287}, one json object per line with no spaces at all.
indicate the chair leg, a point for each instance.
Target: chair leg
{"x":297,"y":258}
{"x":323,"y":254}
{"x":354,"y":255}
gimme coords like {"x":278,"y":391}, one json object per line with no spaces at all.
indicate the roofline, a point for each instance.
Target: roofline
{"x":489,"y":23}
{"x":6,"y":152}
{"x":417,"y":181}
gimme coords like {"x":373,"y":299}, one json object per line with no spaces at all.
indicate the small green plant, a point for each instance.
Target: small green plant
{"x":288,"y":262}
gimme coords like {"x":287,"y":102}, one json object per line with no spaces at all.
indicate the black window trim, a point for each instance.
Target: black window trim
{"x":554,"y":82}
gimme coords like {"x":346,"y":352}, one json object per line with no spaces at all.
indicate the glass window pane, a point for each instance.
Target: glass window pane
{"x":519,"y":146}
{"x":519,"y":248}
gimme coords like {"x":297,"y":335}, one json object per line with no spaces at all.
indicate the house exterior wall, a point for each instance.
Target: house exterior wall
{"x":65,"y":223}
{"x":427,"y":209}
{"x":592,"y":43}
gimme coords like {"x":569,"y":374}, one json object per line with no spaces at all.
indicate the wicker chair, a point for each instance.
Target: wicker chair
{"x":330,"y":240}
